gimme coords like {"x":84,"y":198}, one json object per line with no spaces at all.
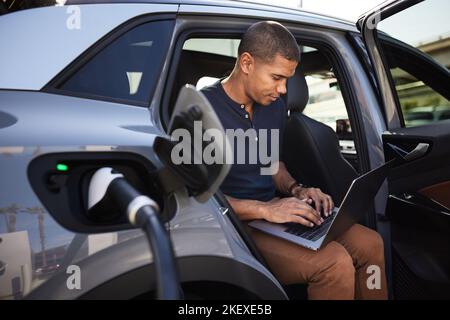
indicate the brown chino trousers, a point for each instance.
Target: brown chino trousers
{"x":341,"y":270}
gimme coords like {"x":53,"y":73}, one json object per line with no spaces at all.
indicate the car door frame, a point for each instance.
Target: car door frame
{"x":367,"y":26}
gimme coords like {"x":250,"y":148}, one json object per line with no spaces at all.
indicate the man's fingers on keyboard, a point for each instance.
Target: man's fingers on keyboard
{"x":330,"y":206}
{"x":317,"y":203}
{"x":306,"y":206}
{"x":303,"y":221}
{"x":309,"y":214}
{"x":315,"y":213}
{"x":303,"y":209}
{"x":325,"y":207}
{"x":307,"y":200}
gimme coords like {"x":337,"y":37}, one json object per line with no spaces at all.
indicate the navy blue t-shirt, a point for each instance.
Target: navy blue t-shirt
{"x":245,"y":181}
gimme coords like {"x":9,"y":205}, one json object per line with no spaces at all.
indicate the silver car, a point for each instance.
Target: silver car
{"x":95,"y":84}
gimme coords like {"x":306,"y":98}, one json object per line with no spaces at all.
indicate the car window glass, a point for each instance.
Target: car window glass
{"x":424,"y":29}
{"x":326,"y":103}
{"x":420,"y":104}
{"x":203,"y":61}
{"x":226,"y":47}
{"x":126,"y":69}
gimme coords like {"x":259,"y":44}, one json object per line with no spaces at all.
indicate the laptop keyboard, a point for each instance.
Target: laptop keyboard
{"x":313,"y":233}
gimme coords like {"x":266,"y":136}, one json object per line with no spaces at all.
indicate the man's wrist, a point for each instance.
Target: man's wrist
{"x":294,"y":186}
{"x":262,"y":212}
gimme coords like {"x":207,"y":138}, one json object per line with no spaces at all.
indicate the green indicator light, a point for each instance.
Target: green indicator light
{"x":62,"y":167}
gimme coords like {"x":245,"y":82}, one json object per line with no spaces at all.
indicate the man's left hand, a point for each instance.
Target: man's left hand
{"x":320,"y":199}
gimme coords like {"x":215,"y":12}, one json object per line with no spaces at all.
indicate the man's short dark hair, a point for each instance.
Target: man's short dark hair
{"x":266,"y":39}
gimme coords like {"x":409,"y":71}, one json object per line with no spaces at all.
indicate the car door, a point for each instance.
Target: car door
{"x":409,"y":46}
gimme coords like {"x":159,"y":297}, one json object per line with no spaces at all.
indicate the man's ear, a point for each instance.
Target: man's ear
{"x":246,"y":62}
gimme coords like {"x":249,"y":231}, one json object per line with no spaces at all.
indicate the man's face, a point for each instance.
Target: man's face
{"x":266,"y":81}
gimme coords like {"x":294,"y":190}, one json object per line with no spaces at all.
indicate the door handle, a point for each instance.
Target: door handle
{"x":419,"y":151}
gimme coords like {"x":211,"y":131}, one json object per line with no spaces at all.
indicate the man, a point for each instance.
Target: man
{"x":249,"y":99}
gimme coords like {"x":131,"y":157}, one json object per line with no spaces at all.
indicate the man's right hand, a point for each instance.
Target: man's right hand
{"x":291,"y":210}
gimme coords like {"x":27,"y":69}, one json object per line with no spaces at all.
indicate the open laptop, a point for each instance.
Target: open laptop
{"x":357,"y":201}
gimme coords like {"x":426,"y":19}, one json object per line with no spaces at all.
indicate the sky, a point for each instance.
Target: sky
{"x":423,"y":23}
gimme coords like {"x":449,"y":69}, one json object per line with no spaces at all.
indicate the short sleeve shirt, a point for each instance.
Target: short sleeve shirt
{"x":245,"y":180}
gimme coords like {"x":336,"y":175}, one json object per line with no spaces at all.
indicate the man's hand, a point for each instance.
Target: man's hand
{"x":291,"y":210}
{"x":321,"y":200}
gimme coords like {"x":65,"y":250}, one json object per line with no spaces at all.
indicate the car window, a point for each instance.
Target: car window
{"x":226,"y":47}
{"x":326,"y":103}
{"x":202,"y":62}
{"x":420,"y":104}
{"x":418,"y":53}
{"x":128,"y":68}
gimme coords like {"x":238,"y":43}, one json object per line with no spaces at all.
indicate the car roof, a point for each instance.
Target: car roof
{"x":238,"y":4}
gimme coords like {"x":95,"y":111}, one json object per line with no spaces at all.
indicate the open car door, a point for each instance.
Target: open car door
{"x":408,"y":43}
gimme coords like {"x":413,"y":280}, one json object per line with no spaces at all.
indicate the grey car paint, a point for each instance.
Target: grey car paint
{"x":204,"y":252}
{"x":65,"y":127}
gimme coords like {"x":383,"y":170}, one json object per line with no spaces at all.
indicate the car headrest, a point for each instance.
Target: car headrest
{"x":297,"y":95}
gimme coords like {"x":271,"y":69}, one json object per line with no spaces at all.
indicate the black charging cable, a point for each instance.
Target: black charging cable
{"x":108,"y":189}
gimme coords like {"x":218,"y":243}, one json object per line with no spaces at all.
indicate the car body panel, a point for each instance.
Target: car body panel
{"x":39,"y":129}
{"x":195,"y":224}
{"x":274,"y":13}
{"x":226,"y":6}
